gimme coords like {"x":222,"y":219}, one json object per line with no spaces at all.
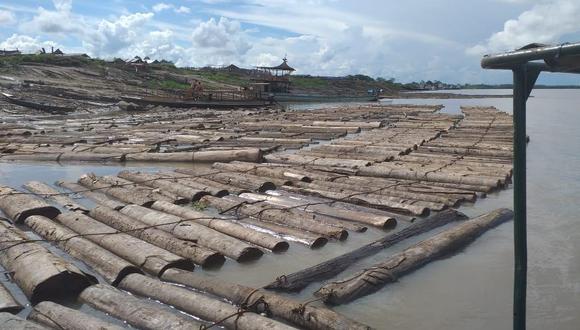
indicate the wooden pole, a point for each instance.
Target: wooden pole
{"x":416,"y":256}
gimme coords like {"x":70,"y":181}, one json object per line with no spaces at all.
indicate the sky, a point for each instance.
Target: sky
{"x":409,"y":40}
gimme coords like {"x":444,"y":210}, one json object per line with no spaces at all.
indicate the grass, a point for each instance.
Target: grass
{"x":199,"y":206}
{"x":304,"y":82}
{"x":223,"y":77}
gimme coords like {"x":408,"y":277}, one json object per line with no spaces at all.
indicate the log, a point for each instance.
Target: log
{"x":226,"y":226}
{"x":309,"y":206}
{"x":307,"y":160}
{"x":111,"y":267}
{"x":18,"y":205}
{"x":158,"y":181}
{"x":279,"y":172}
{"x":46,"y":192}
{"x":241,"y":180}
{"x":140,"y":313}
{"x":56,"y":316}
{"x":13,"y":322}
{"x":248,"y":155}
{"x":289,"y":310}
{"x":214,"y":188}
{"x":279,"y":216}
{"x":152,"y":259}
{"x":332,"y":267}
{"x":40,"y":274}
{"x":311,"y":240}
{"x":197,"y":304}
{"x":8,"y":303}
{"x":148,"y":192}
{"x":192,"y":231}
{"x":129,"y":196}
{"x":95,"y":196}
{"x":412,"y":258}
{"x":156,"y":236}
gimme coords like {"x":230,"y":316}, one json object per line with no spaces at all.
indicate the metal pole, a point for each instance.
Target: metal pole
{"x":521,"y":90}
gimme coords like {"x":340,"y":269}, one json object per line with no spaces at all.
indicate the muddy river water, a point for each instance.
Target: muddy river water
{"x":473,"y":288}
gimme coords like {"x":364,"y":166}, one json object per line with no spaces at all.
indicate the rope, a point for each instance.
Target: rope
{"x":242,"y":309}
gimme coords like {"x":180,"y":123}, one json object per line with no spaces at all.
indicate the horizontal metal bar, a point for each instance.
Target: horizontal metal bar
{"x":511,"y":60}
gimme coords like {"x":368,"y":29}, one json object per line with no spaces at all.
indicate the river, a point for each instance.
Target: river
{"x":471,"y":289}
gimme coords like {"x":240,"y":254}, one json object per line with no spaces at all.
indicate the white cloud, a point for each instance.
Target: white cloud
{"x":544,"y":22}
{"x":223,"y":37}
{"x":161,"y":7}
{"x":26,"y":44}
{"x":6,"y":17}
{"x":183,"y":10}
{"x":60,"y":20}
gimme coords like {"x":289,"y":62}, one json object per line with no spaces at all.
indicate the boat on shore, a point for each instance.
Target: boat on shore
{"x":288,"y":97}
{"x":202,"y":103}
{"x":51,"y":108}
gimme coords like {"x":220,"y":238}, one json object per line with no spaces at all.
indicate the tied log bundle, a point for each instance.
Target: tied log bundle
{"x":40,"y":274}
{"x":444,"y":243}
{"x":56,"y":316}
{"x":330,"y":268}
{"x":18,"y":205}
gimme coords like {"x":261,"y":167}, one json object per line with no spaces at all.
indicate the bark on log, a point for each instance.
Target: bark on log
{"x":226,"y":226}
{"x":40,"y":274}
{"x":309,"y":239}
{"x":13,"y":322}
{"x":46,"y":192}
{"x":295,"y":312}
{"x":18,"y":205}
{"x":7,"y":302}
{"x":111,"y":267}
{"x":213,"y":188}
{"x":57,"y":316}
{"x":152,"y":259}
{"x":140,"y":313}
{"x":156,"y":236}
{"x":307,"y":160}
{"x":158,"y":181}
{"x":442,"y":244}
{"x":248,"y":155}
{"x":197,"y":304}
{"x":123,"y":194}
{"x":278,"y":216}
{"x":95,"y":196}
{"x":332,"y":267}
{"x":192,"y":231}
{"x":302,"y":204}
{"x":137,"y":189}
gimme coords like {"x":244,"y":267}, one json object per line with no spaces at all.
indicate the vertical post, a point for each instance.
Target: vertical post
{"x":521,"y":92}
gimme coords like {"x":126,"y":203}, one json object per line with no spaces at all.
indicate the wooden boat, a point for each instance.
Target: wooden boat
{"x":57,"y":109}
{"x":287,"y":97}
{"x":182,"y":103}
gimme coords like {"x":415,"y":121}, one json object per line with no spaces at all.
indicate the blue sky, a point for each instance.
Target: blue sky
{"x":408,"y":40}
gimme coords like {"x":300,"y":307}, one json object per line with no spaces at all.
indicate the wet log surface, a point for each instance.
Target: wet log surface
{"x":7,"y":302}
{"x":332,"y":267}
{"x":12,"y":322}
{"x":40,"y":274}
{"x":47,"y":192}
{"x":295,"y":312}
{"x":18,"y":206}
{"x":440,"y":245}
{"x":57,"y":316}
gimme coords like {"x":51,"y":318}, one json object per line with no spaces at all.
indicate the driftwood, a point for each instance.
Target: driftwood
{"x":226,"y":226}
{"x":95,"y":196}
{"x":18,"y":206}
{"x":57,"y":316}
{"x":111,"y":267}
{"x":193,"y":231}
{"x":45,"y":191}
{"x":139,"y":313}
{"x":442,"y":244}
{"x":40,"y":274}
{"x":7,"y":302}
{"x":152,"y":259}
{"x":330,"y":268}
{"x":289,"y":310}
{"x":13,"y":322}
{"x":197,"y":304}
{"x":276,"y":215}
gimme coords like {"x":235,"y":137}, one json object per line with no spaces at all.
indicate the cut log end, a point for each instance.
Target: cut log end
{"x":266,"y":186}
{"x":250,"y":254}
{"x":53,"y":290}
{"x":318,"y":243}
{"x":124,"y":272}
{"x":213,"y":261}
{"x":281,"y":246}
{"x":184,"y":264}
{"x":50,"y":212}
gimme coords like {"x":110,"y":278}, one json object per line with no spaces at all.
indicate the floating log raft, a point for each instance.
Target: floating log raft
{"x":372,"y":279}
{"x":152,"y":259}
{"x":200,"y":305}
{"x":137,"y":312}
{"x":40,"y":274}
{"x":111,"y":267}
{"x":18,"y":206}
{"x":45,"y":191}
{"x":167,"y":184}
{"x":56,"y":316}
{"x":289,"y":310}
{"x":95,"y":196}
{"x":330,"y":268}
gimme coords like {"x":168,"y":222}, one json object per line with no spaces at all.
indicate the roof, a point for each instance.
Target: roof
{"x":284,"y":66}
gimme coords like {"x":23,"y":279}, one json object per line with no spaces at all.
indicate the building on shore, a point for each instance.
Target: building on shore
{"x":274,"y":79}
